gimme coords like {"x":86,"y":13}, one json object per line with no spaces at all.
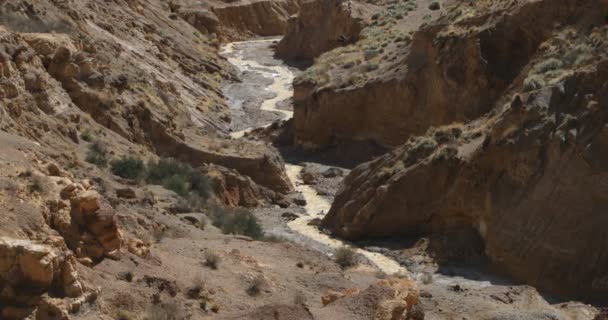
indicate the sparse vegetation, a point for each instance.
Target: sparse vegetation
{"x":38,"y":184}
{"x":165,"y":311}
{"x":197,"y":289}
{"x":97,"y":154}
{"x":212,"y":260}
{"x":86,"y":136}
{"x":122,"y":314}
{"x":129,"y":168}
{"x":533,"y":83}
{"x":182,"y":179}
{"x":256,"y":286}
{"x":238,"y":221}
{"x":345,"y":257}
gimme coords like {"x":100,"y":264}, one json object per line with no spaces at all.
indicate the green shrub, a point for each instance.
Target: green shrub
{"x":182,"y":179}
{"x":345,"y":257}
{"x":97,"y":154}
{"x":129,"y":168}
{"x":86,"y":136}
{"x":239,"y":221}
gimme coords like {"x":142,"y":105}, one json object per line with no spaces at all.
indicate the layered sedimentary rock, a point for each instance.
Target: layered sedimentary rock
{"x":450,"y":70}
{"x":530,"y":176}
{"x":321,"y":26}
{"x":123,"y":82}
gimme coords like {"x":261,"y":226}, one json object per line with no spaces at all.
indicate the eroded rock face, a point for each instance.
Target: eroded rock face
{"x":88,"y":225}
{"x":530,"y":178}
{"x":453,"y":71}
{"x":29,"y":270}
{"x":321,"y":26}
{"x":255,"y":17}
{"x":235,"y":190}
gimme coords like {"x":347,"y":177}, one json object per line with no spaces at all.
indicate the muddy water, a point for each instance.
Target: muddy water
{"x":316,"y":206}
{"x":281,"y":74}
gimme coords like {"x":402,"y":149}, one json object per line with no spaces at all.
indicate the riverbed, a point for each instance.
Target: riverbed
{"x":254,"y":61}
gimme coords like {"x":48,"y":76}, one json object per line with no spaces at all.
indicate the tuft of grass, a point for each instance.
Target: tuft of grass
{"x":129,"y":168}
{"x":256,"y":286}
{"x":86,"y":136}
{"x":197,"y":289}
{"x":548,"y":65}
{"x":345,"y":257}
{"x":533,"y":83}
{"x":122,"y":314}
{"x":212,"y":260}
{"x":166,"y":311}
{"x":97,"y":154}
{"x":238,"y":221}
{"x":38,"y":184}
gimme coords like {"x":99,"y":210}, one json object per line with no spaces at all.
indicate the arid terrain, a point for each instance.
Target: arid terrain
{"x":303,"y":159}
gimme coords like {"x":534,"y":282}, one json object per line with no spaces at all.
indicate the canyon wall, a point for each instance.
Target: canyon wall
{"x":450,"y":70}
{"x":528,"y":176}
{"x":321,"y":26}
{"x":254,"y":17}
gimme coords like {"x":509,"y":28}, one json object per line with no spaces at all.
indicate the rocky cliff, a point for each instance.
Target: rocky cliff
{"x":321,"y":26}
{"x":397,"y":81}
{"x":528,"y":176}
{"x":255,"y":17}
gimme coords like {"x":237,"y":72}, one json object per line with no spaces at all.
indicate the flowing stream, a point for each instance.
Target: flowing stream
{"x":316,"y":206}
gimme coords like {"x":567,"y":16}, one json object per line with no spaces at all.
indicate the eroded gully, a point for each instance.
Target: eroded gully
{"x":240,"y":55}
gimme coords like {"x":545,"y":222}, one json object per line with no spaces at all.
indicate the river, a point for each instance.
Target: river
{"x":241,"y":55}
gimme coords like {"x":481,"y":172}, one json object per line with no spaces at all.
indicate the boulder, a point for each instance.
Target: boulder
{"x":28,"y":270}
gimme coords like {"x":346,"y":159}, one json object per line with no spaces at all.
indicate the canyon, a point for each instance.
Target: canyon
{"x":303,"y":159}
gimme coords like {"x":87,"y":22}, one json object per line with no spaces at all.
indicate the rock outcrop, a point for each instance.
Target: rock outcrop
{"x":88,"y":226}
{"x":320,"y":26}
{"x":235,"y":190}
{"x":529,"y":177}
{"x":451,"y":70}
{"x":28,"y":272}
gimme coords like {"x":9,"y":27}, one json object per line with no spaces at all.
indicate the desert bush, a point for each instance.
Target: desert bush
{"x":182,"y":179}
{"x":212,"y":260}
{"x":166,"y":311}
{"x":86,"y":136}
{"x":345,"y":257}
{"x":239,"y":221}
{"x":256,"y":286}
{"x":548,"y":65}
{"x":129,"y":168}
{"x":37,"y":184}
{"x":122,"y":314}
{"x":97,"y":154}
{"x":197,"y":288}
{"x":533,"y":83}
